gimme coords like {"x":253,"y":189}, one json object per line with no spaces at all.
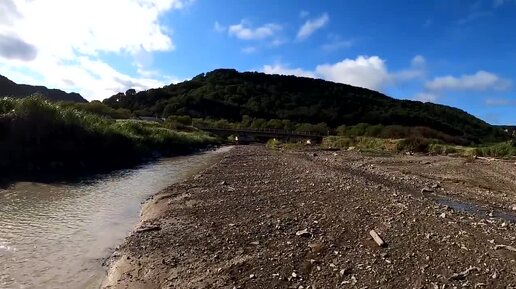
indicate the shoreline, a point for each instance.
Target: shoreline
{"x":270,"y":219}
{"x":77,"y":174}
{"x":152,"y":208}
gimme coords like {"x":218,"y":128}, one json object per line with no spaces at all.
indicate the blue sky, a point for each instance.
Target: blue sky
{"x":453,"y":52}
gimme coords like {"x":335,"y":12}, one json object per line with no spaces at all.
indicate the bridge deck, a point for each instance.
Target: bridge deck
{"x":265,"y":132}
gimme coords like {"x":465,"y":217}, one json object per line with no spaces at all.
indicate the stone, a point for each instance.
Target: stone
{"x":303,"y":233}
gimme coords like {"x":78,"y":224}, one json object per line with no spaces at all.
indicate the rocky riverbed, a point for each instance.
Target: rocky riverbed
{"x":273,"y":219}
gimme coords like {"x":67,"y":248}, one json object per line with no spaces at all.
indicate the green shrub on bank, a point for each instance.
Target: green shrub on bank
{"x":361,"y":143}
{"x":273,"y":144}
{"x":397,"y":132}
{"x":38,"y":135}
{"x":420,"y":145}
{"x":503,"y":149}
{"x":415,"y":144}
{"x":98,"y":108}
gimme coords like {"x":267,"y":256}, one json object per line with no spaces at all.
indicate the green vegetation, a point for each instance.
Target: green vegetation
{"x":98,"y":108}
{"x":361,"y":143}
{"x":226,"y":95}
{"x":397,"y":132}
{"x":260,"y":123}
{"x":504,"y":149}
{"x":419,"y":145}
{"x":273,"y":144}
{"x":38,"y":135}
{"x":446,"y":149}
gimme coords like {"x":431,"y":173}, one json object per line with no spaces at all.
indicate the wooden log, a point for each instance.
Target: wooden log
{"x":377,"y":238}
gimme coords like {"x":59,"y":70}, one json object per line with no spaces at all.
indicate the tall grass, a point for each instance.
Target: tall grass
{"x":38,"y":135}
{"x":421,"y":145}
{"x":503,"y":149}
{"x":362,"y":143}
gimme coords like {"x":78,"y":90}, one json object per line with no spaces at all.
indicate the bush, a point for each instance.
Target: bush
{"x":273,"y":144}
{"x":98,"y":108}
{"x":504,"y":149}
{"x":38,"y":135}
{"x":337,"y":142}
{"x":397,"y":132}
{"x":362,"y":143}
{"x":414,"y":144}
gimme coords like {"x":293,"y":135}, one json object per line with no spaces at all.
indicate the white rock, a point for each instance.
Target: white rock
{"x":303,"y":233}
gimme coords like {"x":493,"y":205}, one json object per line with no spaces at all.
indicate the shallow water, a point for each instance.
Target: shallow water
{"x":472,"y":208}
{"x":57,"y":235}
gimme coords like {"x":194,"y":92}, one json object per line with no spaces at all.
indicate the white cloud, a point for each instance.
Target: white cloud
{"x":244,"y":31}
{"x":91,"y":77}
{"x":91,"y":26}
{"x":335,"y":42}
{"x":8,"y":11}
{"x":68,"y":34}
{"x":416,"y":70}
{"x":500,"y":101}
{"x":418,"y":61}
{"x":249,"y":49}
{"x":312,"y":25}
{"x":369,"y":72}
{"x":282,"y":70}
{"x":333,"y":46}
{"x":218,"y":27}
{"x":480,"y":81}
{"x":303,"y":13}
{"x":426,"y":97}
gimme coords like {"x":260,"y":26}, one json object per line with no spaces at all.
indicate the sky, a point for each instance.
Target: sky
{"x":460,"y":53}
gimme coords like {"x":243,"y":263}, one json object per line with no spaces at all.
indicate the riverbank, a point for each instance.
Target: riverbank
{"x":39,"y":136}
{"x":272,"y":219}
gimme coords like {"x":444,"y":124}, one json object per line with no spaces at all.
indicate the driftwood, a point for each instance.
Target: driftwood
{"x":506,"y":247}
{"x":464,"y":274}
{"x":377,"y":238}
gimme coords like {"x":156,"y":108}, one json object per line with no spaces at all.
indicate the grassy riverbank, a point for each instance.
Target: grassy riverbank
{"x":421,"y":145}
{"x":36,"y":135}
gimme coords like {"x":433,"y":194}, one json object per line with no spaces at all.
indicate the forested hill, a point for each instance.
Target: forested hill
{"x":229,"y":94}
{"x":12,"y":89}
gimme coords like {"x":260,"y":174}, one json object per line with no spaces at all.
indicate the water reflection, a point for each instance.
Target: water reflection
{"x":55,"y":235}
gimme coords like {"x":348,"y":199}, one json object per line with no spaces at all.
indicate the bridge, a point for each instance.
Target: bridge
{"x":264,"y":134}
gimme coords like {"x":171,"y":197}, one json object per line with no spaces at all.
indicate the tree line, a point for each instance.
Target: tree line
{"x":226,"y":94}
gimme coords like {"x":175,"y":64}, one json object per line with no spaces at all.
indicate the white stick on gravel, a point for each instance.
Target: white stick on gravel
{"x":377,"y":238}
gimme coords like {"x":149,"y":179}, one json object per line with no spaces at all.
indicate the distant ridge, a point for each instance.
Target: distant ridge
{"x":11,"y":89}
{"x":229,"y":94}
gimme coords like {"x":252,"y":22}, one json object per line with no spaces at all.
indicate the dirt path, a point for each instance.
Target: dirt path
{"x":267,"y":219}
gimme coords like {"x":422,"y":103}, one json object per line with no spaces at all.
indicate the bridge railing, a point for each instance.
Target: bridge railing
{"x":261,"y":130}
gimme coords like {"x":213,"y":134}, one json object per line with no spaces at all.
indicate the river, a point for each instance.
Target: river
{"x":56,"y":235}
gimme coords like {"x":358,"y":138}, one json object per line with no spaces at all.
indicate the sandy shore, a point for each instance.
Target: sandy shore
{"x":269,"y":219}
